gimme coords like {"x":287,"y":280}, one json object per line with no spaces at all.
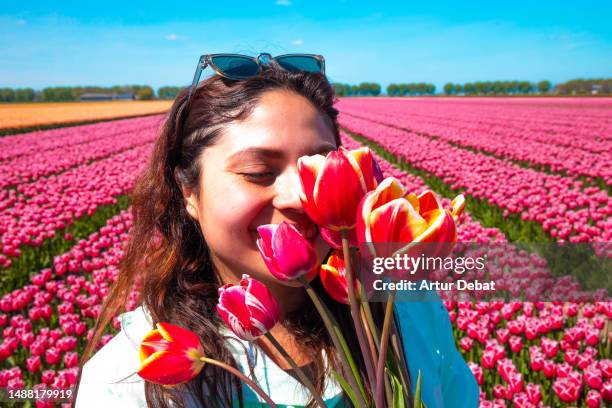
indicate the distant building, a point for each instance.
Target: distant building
{"x":94,"y":96}
{"x":596,"y":89}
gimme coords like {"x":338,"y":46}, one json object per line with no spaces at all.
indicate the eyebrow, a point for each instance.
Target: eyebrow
{"x":274,"y":153}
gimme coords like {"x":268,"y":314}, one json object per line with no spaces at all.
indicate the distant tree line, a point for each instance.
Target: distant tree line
{"x":578,"y":86}
{"x":411,"y":89}
{"x":497,"y":88}
{"x":71,"y":93}
{"x":585,"y":86}
{"x":363,"y":89}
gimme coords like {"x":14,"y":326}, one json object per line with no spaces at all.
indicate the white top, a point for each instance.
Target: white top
{"x":109,"y":380}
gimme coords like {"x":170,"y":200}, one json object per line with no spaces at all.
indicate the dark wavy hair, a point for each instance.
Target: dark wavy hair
{"x":166,"y":250}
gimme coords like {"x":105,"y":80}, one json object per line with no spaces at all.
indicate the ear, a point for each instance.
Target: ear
{"x":191,"y":203}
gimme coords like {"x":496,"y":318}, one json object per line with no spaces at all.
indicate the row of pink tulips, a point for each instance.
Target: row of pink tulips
{"x":46,"y":206}
{"x":535,"y":354}
{"x":97,"y":258}
{"x":535,"y":281}
{"x":45,"y":325}
{"x":34,"y":143}
{"x":504,"y":334}
{"x":557,"y":203}
{"x":583,"y":123}
{"x":26,"y":168}
{"x":503,"y":141}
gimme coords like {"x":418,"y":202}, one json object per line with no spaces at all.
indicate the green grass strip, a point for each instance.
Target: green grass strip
{"x":33,"y":259}
{"x":579,"y":261}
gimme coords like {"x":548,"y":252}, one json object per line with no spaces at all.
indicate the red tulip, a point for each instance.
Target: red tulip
{"x":332,"y":275}
{"x":249,"y":309}
{"x":332,"y":186}
{"x":287,"y":254}
{"x":170,"y":355}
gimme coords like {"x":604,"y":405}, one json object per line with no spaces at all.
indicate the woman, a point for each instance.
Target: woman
{"x":221,"y":168}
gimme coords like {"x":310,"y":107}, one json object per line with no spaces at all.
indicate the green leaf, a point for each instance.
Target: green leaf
{"x":417,"y":392}
{"x":347,"y":388}
{"x":398,"y":391}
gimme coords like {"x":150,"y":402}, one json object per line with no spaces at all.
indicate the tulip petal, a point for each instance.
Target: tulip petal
{"x":337,"y":192}
{"x":293,"y":253}
{"x":181,"y":337}
{"x":430,"y":207}
{"x":233,"y":309}
{"x":361,"y":160}
{"x":309,"y":168}
{"x":396,"y":221}
{"x":334,"y":283}
{"x":169,"y":368}
{"x":334,"y":238}
{"x":458,"y":204}
{"x":262,"y":306}
{"x":152,"y":342}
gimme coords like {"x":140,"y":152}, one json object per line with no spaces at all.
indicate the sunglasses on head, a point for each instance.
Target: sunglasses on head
{"x":238,"y":67}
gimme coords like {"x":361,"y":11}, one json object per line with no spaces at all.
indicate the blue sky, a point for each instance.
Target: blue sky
{"x":55,"y":43}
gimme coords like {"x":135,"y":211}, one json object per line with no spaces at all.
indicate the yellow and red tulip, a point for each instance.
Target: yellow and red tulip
{"x":390,"y":215}
{"x":333,"y":277}
{"x":287,"y":254}
{"x":170,"y":355}
{"x":248,"y":309}
{"x":332,"y":186}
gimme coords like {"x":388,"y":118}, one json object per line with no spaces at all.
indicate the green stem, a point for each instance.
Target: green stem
{"x":403,"y":368}
{"x":384,"y":342}
{"x":243,"y":377}
{"x":367,"y":311}
{"x":331,"y":328}
{"x":359,"y":329}
{"x":305,"y":380}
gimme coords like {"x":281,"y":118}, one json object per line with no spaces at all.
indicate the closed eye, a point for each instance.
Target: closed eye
{"x":259,"y":177}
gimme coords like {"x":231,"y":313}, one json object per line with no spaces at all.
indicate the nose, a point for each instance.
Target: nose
{"x":288,"y":188}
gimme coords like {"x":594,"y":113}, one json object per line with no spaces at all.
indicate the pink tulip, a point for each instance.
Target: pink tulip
{"x":593,"y":399}
{"x":249,"y":308}
{"x":567,"y":390}
{"x":33,"y":364}
{"x":287,"y":254}
{"x":52,"y":355}
{"x":534,"y":393}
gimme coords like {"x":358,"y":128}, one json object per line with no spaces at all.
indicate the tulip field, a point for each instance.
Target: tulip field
{"x":532,"y":170}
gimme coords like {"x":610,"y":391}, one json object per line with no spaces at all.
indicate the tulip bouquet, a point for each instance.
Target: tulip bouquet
{"x":345,"y":195}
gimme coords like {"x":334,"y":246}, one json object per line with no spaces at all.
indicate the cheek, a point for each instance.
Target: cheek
{"x":227,"y":212}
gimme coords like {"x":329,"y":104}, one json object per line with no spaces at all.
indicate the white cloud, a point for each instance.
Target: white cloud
{"x":175,"y":37}
{"x":299,"y":41}
{"x":283,"y":2}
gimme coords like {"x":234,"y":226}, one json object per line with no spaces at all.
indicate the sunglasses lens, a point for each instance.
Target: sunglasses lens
{"x":300,"y":63}
{"x":235,"y":66}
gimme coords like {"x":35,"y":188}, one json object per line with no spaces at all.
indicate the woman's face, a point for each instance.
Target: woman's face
{"x":249,"y":177}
